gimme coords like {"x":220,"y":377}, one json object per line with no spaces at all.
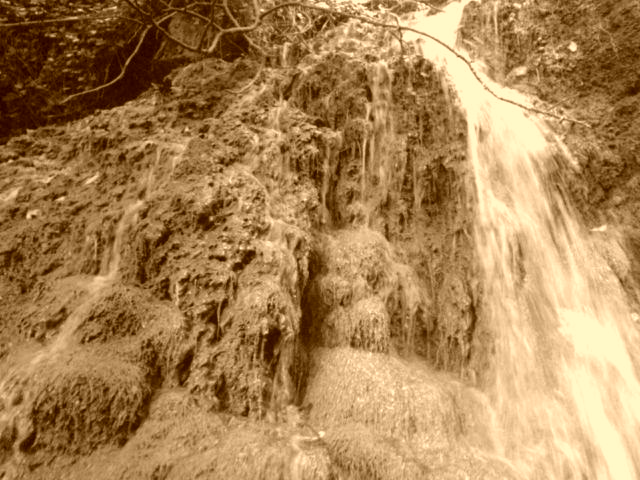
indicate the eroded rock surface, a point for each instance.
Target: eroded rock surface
{"x":198,"y":282}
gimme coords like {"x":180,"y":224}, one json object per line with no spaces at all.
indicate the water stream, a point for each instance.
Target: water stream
{"x":14,"y":383}
{"x":93,"y":288}
{"x":565,"y":387}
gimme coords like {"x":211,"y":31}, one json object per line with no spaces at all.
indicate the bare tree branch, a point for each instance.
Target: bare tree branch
{"x":157,"y":24}
{"x":250,"y":83}
{"x":419,"y":32}
{"x":227,"y":10}
{"x":234,"y":20}
{"x":134,"y":4}
{"x":209,"y":24}
{"x":58,"y":21}
{"x":119,"y":77}
{"x":259,"y":16}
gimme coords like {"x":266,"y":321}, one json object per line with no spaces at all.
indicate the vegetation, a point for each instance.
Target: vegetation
{"x":60,"y":60}
{"x":64,"y":59}
{"x":49,"y":50}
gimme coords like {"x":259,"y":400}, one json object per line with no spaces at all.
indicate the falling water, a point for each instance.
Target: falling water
{"x":114,"y":259}
{"x":565,"y":386}
{"x":376,"y":146}
{"x":94,"y":287}
{"x":379,"y":114}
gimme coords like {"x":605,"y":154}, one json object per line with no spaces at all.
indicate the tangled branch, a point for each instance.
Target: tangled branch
{"x":146,"y":30}
{"x":194,"y":10}
{"x":458,"y":55}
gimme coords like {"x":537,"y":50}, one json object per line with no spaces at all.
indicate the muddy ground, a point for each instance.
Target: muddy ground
{"x":198,"y":282}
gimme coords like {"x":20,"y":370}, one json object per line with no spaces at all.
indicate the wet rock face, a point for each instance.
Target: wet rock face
{"x":362,"y":297}
{"x":228,"y":246}
{"x":327,"y":209}
{"x":180,"y":269}
{"x":400,"y":170}
{"x":91,"y":383}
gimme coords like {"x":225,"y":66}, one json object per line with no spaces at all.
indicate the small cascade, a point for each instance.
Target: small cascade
{"x":97,"y":284}
{"x":23,"y":376}
{"x":381,"y":120}
{"x":18,"y":381}
{"x":377,"y":162}
{"x":363,"y":177}
{"x":329,"y":163}
{"x":128,"y":217}
{"x":565,"y":384}
{"x":276,"y":120}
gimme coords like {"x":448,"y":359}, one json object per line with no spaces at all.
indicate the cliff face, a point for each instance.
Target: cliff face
{"x":196,"y":280}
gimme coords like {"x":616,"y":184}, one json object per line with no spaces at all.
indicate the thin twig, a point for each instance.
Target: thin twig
{"x":234,"y":20}
{"x":185,"y":11}
{"x":432,"y":7}
{"x":119,"y":77}
{"x":210,"y":22}
{"x":39,"y":23}
{"x":58,"y":21}
{"x":160,"y":28}
{"x":257,"y":21}
{"x":138,"y":8}
{"x":227,"y":10}
{"x":398,"y":36}
{"x":424,"y":34}
{"x":251,"y":83}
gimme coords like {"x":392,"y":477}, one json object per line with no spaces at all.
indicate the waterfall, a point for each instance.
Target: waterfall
{"x":565,"y":386}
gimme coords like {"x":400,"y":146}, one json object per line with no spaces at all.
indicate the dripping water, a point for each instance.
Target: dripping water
{"x":96,"y":285}
{"x":377,"y":151}
{"x":108,"y":277}
{"x":565,"y":386}
{"x":112,"y":260}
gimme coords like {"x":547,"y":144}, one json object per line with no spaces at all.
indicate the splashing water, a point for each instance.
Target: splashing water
{"x":565,"y":386}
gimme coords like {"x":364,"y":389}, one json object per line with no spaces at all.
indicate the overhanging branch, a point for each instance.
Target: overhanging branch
{"x":377,"y":23}
{"x":122,"y":72}
{"x":258,"y":18}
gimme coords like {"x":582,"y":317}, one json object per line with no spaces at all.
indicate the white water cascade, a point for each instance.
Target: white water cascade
{"x":565,"y":387}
